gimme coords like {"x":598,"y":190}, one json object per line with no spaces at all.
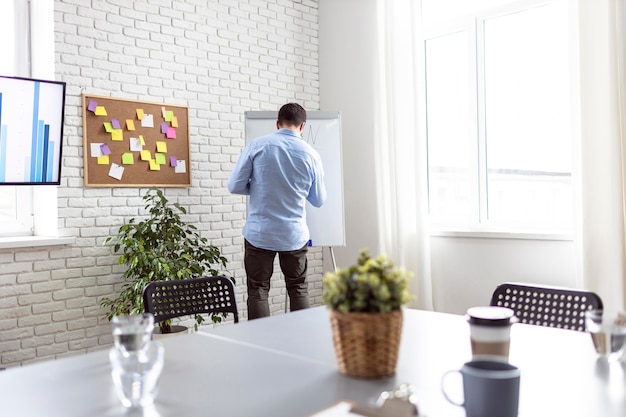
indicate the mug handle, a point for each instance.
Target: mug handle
{"x":443,"y":388}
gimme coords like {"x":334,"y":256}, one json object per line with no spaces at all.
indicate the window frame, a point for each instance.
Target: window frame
{"x":22,"y":224}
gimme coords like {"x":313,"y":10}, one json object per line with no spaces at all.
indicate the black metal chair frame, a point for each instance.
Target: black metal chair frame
{"x":547,"y":306}
{"x":170,"y":299}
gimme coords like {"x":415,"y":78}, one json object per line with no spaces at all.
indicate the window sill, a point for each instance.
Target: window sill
{"x":33,"y":241}
{"x":502,"y":235}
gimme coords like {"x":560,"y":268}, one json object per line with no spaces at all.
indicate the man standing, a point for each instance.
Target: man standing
{"x":280,"y":172}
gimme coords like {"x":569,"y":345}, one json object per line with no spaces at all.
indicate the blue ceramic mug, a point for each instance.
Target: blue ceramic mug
{"x":490,"y":388}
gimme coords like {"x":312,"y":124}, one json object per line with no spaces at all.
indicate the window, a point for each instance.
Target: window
{"x":15,"y":202}
{"x":499,"y":115}
{"x":28,"y":210}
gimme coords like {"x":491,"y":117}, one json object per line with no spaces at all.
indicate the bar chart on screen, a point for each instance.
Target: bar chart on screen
{"x":31,"y":130}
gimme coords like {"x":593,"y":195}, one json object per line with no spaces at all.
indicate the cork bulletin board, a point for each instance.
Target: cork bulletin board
{"x":129,"y":143}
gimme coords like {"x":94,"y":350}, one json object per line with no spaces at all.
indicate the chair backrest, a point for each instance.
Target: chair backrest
{"x":170,"y":299}
{"x":547,"y":306}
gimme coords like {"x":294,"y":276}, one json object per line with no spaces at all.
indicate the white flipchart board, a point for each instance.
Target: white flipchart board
{"x":323,"y":132}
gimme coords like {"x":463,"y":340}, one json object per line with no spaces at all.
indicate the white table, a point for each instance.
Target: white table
{"x":285,"y":366}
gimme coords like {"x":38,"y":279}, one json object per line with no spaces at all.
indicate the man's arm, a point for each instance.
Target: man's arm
{"x":317,"y":193}
{"x":239,"y":181}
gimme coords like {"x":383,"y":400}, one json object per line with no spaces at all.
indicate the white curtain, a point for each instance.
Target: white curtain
{"x":601,"y":235}
{"x":401,"y":170}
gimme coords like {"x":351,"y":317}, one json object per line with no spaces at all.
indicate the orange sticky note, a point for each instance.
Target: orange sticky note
{"x":130,"y":125}
{"x":174,"y":121}
{"x":140,"y":114}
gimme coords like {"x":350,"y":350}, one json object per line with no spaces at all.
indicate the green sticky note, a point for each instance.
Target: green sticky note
{"x":127,"y":158}
{"x":108,"y":127}
{"x":168,"y":115}
{"x":160,"y":158}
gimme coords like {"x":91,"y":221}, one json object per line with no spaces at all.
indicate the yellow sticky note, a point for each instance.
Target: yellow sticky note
{"x":174,"y":121}
{"x":117,"y":135}
{"x":145,"y":155}
{"x":108,"y":127}
{"x":140,"y":114}
{"x":168,"y":115}
{"x":161,"y":146}
{"x":103,"y":160}
{"x":154,"y":166}
{"x":160,"y":158}
{"x":130,"y":125}
{"x":127,"y":158}
{"x":142,"y":141}
{"x":101,"y":111}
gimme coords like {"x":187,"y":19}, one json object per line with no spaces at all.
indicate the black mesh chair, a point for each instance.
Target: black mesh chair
{"x":547,"y":306}
{"x":170,"y":299}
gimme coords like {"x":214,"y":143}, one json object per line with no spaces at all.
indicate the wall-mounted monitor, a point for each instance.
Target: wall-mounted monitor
{"x":31,"y":131}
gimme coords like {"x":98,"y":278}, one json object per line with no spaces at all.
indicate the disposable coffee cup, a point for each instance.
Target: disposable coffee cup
{"x":490,"y":331}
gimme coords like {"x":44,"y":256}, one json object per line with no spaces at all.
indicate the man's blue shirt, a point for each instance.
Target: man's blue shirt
{"x":280,"y":172}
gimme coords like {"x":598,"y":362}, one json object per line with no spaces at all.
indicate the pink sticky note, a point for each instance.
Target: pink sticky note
{"x":173,"y":161}
{"x":164,"y":127}
{"x":116,"y":124}
{"x":92,"y":106}
{"x":104,"y":148}
{"x":171,"y":133}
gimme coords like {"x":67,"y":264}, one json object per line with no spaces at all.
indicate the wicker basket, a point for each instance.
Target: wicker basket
{"x":366,"y":344}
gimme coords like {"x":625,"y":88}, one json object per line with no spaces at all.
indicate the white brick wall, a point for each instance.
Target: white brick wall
{"x":219,"y":58}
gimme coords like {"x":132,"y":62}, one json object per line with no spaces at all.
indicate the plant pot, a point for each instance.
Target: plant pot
{"x":366,"y":344}
{"x":176,"y":330}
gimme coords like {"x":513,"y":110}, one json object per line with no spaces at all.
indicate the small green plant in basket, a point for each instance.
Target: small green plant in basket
{"x":373,"y":285}
{"x":365,"y":313}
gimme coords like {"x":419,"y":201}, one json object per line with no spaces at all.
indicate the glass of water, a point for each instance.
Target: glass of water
{"x":136,"y":374}
{"x":608,"y":332}
{"x":132,"y":332}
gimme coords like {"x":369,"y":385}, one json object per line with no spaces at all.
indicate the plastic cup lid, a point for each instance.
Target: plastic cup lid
{"x":491,"y":316}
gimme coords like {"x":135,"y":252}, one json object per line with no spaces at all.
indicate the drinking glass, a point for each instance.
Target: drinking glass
{"x":132,"y":332}
{"x":136,"y":373}
{"x":608,"y":332}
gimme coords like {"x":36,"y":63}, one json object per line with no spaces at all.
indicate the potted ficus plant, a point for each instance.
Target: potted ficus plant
{"x":160,"y":247}
{"x":365,"y":305}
